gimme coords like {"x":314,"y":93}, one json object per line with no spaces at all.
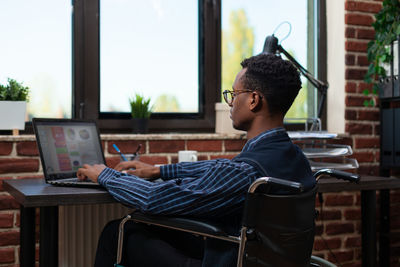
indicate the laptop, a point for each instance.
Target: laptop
{"x":64,"y":146}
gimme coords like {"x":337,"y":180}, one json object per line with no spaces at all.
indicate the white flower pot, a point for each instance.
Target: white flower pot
{"x":223,"y":123}
{"x":12,"y":115}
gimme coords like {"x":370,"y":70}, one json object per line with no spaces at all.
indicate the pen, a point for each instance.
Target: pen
{"x":119,"y":151}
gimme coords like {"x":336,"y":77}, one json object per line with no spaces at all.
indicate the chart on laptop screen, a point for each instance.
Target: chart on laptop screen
{"x":67,"y":148}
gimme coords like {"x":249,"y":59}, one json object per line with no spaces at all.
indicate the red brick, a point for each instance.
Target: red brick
{"x":366,"y":156}
{"x":18,"y":165}
{"x":5,"y":148}
{"x":9,"y":238}
{"x":350,"y":60}
{"x":354,"y":263}
{"x":363,"y":61}
{"x":367,"y":34}
{"x":368,"y":170}
{"x":6,"y":220}
{"x":357,"y":128}
{"x":350,"y":32}
{"x":355,"y":101}
{"x":363,"y":6}
{"x":352,"y":242}
{"x":341,"y":141}
{"x":359,"y":19}
{"x":111,"y":162}
{"x":355,"y":74}
{"x":341,"y":256}
{"x":339,"y":200}
{"x":362,"y":86}
{"x":1,"y":182}
{"x":339,"y":228}
{"x":205,"y":145}
{"x":394,"y":222}
{"x":329,"y":215}
{"x":350,"y":114}
{"x":154,"y":159}
{"x":126,"y":146}
{"x":225,"y":156}
{"x":352,"y":214}
{"x":27,"y":149}
{"x":351,"y":87}
{"x":319,"y":229}
{"x":170,"y":146}
{"x":332,"y":243}
{"x":356,"y":46}
{"x":377,"y":129}
{"x":368,"y":115}
{"x":7,"y":255}
{"x":363,"y":142}
{"x":234,"y":145}
{"x":8,"y":203}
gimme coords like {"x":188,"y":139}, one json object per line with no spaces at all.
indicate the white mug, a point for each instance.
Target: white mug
{"x":187,"y":156}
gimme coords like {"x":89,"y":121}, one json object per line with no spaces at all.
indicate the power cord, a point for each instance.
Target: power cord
{"x":322,"y":223}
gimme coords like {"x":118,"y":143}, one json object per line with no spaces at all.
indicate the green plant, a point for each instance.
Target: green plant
{"x":14,"y":91}
{"x":387,"y":28}
{"x":140,"y":106}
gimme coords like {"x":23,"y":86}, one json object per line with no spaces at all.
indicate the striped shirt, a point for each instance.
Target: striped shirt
{"x":205,"y":188}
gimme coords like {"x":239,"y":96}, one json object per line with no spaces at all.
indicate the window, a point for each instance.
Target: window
{"x":112,"y":43}
{"x":36,"y":50}
{"x":246,"y":24}
{"x":146,"y":48}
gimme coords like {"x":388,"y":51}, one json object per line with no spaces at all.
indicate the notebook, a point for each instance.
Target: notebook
{"x":64,"y":146}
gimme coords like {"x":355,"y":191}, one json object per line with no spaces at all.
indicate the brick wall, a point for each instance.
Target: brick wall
{"x":341,"y":227}
{"x":19,"y":159}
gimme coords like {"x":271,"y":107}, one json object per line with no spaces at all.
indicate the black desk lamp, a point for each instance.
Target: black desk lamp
{"x":271,"y":46}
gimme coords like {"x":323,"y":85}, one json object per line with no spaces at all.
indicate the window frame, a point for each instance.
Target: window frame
{"x":86,"y":80}
{"x":86,"y":71}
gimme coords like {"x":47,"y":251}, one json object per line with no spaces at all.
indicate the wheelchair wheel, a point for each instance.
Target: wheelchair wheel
{"x":317,"y":261}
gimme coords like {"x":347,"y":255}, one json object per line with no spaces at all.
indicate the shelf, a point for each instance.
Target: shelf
{"x":345,"y":164}
{"x":312,"y":150}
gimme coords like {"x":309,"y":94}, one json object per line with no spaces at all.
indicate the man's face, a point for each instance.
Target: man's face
{"x":240,"y":112}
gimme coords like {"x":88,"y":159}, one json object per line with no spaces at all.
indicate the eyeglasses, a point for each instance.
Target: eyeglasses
{"x":229,"y":95}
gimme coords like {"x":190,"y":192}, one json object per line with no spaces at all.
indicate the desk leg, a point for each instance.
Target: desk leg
{"x":48,"y":253}
{"x":368,"y":234}
{"x":27,"y":237}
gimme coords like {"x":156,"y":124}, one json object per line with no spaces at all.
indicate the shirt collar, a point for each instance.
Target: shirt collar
{"x":271,"y":132}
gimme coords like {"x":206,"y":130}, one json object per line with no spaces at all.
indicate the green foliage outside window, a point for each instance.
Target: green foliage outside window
{"x":14,"y":91}
{"x":387,"y":28}
{"x":237,"y":44}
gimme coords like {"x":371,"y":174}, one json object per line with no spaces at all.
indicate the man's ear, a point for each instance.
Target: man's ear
{"x":255,"y":102}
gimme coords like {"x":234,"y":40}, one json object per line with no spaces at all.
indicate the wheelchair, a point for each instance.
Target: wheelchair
{"x":284,"y":239}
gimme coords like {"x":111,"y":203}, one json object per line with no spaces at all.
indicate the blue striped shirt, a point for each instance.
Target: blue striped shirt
{"x":205,"y":188}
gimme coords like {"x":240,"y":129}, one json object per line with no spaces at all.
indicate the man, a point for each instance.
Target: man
{"x":262,"y":93}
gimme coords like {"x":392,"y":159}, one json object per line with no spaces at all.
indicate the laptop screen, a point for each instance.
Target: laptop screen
{"x":65,"y":145}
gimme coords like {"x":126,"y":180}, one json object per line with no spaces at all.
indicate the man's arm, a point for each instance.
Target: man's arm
{"x":219,"y":191}
{"x":188,"y":169}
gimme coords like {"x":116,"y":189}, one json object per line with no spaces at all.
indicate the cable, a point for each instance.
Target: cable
{"x":277,"y":28}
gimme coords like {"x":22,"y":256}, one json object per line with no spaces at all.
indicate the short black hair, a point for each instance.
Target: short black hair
{"x":275,"y":78}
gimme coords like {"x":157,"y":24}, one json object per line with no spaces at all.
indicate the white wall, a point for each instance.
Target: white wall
{"x":336,"y":65}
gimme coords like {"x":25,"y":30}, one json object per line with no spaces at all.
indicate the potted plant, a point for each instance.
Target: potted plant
{"x":13,"y":98}
{"x":140,"y":111}
{"x":387,"y":30}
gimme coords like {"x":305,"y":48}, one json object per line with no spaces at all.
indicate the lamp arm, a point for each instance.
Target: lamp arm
{"x":320,"y":85}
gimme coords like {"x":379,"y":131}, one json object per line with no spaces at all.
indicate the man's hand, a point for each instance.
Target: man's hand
{"x":91,"y":172}
{"x":141,"y":169}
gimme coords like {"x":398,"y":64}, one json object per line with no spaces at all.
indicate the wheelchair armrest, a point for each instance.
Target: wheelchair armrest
{"x":195,"y":226}
{"x":352,"y":177}
{"x":281,"y":183}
